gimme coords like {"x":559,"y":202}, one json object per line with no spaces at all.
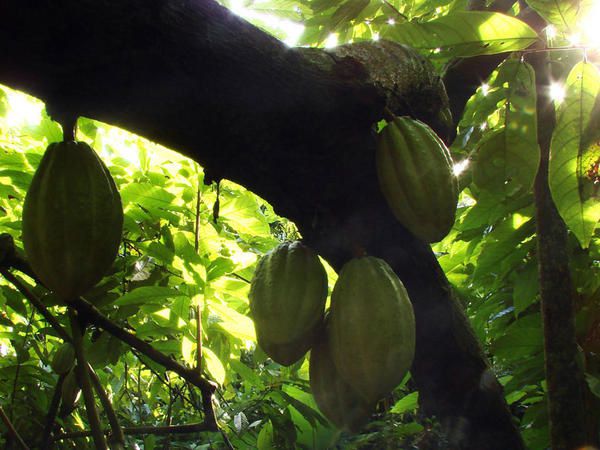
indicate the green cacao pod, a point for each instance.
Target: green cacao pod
{"x":72,"y":219}
{"x":287,"y":301}
{"x":416,"y":177}
{"x":337,"y":400}
{"x":64,"y":359}
{"x":70,"y":394}
{"x":372,"y":327}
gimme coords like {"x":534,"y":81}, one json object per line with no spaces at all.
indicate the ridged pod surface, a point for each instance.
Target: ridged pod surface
{"x":287,"y":301}
{"x":372,"y":327}
{"x":70,"y":393}
{"x":72,"y":219}
{"x":415,"y":173}
{"x":337,"y":400}
{"x":64,"y":359}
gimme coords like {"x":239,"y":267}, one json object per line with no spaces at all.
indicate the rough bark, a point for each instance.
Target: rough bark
{"x":296,"y":131}
{"x":566,"y":385}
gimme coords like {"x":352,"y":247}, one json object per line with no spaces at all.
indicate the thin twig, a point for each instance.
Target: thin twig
{"x":117,"y":438}
{"x":52,"y":411}
{"x":12,"y":431}
{"x":86,"y":386}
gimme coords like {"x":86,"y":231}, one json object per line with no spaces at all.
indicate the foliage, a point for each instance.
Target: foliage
{"x":178,"y":258}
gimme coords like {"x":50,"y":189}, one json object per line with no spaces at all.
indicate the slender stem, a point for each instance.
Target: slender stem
{"x":197,"y":221}
{"x":52,"y":411}
{"x":86,"y":386}
{"x":199,"y":338}
{"x":12,"y":431}
{"x":117,"y":439}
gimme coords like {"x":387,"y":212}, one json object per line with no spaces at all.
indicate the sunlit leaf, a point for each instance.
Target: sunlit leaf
{"x":464,"y":33}
{"x":213,"y":365}
{"x":508,"y":158}
{"x":562,"y":14}
{"x":405,"y":404}
{"x":242,"y":213}
{"x":573,"y":171}
{"x":236,"y":324}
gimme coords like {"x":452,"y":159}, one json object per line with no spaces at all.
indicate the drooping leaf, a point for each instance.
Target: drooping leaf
{"x":464,"y":33}
{"x":573,"y":171}
{"x":508,"y":158}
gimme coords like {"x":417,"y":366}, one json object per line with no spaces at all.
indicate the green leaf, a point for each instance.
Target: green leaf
{"x":562,"y":14}
{"x":233,"y":322}
{"x":522,"y":339}
{"x":407,"y":403}
{"x":573,"y":165}
{"x":593,"y":383}
{"x":347,"y":11}
{"x":242,"y":213}
{"x":508,"y":158}
{"x":464,"y":33}
{"x":148,"y":295}
{"x":526,"y":288}
{"x":265,"y":440}
{"x":214,"y":365}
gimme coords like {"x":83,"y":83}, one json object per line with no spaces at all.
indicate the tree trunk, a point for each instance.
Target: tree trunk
{"x":292,"y":125}
{"x":566,"y":384}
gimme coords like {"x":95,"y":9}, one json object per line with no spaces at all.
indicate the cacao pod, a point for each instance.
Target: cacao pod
{"x":336,"y":399}
{"x":372,"y":327}
{"x":287,"y":301}
{"x":64,"y":359}
{"x":70,"y":394}
{"x":72,"y":219}
{"x":415,"y":173}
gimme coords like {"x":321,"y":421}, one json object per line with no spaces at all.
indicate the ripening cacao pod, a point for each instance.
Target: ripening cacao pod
{"x":415,"y":173}
{"x":287,"y":301}
{"x":372,"y":327}
{"x":336,"y":399}
{"x":64,"y":359}
{"x":70,"y":394}
{"x":72,"y":219}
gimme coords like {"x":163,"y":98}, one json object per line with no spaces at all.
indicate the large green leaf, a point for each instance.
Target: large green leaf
{"x":464,"y":33}
{"x":562,"y":14}
{"x":573,"y":168}
{"x":508,"y":158}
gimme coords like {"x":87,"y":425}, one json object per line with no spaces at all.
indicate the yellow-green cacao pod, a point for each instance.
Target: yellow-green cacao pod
{"x":416,"y":176}
{"x":372,"y":327}
{"x":70,"y":393}
{"x":337,"y":400}
{"x":287,"y":301}
{"x":72,"y":219}
{"x":64,"y":359}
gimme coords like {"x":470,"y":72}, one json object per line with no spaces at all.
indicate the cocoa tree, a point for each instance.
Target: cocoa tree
{"x":293,"y":125}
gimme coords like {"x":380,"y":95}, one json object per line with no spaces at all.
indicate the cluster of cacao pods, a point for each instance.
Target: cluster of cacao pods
{"x":72,"y":219}
{"x":360,"y":350}
{"x":416,"y":176}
